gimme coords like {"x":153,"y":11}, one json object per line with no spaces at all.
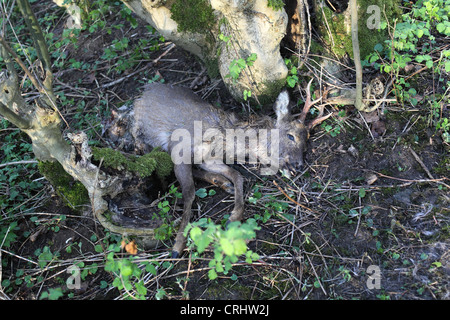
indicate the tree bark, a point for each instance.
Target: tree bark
{"x":41,"y":121}
{"x":239,"y":30}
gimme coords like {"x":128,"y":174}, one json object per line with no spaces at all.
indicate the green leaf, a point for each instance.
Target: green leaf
{"x":151,"y":268}
{"x":212,"y":274}
{"x":362,"y":193}
{"x":201,"y":193}
{"x":227,"y":246}
{"x":140,"y":288}
{"x":440,"y":27}
{"x":447,"y":66}
{"x":53,"y":294}
{"x":378,"y":47}
{"x":240,"y":247}
{"x":195,"y":233}
{"x":419,"y":33}
{"x":291,"y":80}
{"x":126,"y":269}
{"x":241,"y":63}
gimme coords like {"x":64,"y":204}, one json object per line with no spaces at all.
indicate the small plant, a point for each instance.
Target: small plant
{"x":414,"y":42}
{"x":228,"y":244}
{"x":275,"y":4}
{"x":127,"y":275}
{"x":238,"y":65}
{"x":292,"y":78}
{"x":165,"y":231}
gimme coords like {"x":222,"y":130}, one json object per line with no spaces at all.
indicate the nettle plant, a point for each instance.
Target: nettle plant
{"x":228,"y":244}
{"x":416,"y":40}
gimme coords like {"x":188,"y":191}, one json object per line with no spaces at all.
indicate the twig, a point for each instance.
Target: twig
{"x":317,"y":277}
{"x":298,"y":204}
{"x":421,"y":163}
{"x":17,"y":162}
{"x":367,"y":126}
{"x":110,"y":84}
{"x":416,"y":181}
{"x":356,"y":55}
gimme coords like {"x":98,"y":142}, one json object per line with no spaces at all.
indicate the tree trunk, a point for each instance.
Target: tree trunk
{"x":41,"y":121}
{"x":227,"y":36}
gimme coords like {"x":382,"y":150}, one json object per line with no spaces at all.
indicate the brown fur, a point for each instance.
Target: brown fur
{"x":163,"y":109}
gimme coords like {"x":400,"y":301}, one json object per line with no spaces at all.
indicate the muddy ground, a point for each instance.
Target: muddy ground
{"x":368,"y":218}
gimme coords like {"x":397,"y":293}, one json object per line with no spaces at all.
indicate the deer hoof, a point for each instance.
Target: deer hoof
{"x":175,"y":254}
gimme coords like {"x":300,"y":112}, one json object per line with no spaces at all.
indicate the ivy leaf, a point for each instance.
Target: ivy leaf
{"x":362,"y":193}
{"x":201,"y":193}
{"x":440,"y":27}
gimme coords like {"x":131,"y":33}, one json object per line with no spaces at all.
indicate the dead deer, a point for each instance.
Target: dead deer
{"x":163,"y":110}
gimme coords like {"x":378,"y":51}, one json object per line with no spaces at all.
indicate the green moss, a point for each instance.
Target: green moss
{"x":156,"y":161}
{"x":195,"y":16}
{"x":212,"y":66}
{"x":443,"y":167}
{"x":73,"y":193}
{"x":271,"y":90}
{"x":368,"y":38}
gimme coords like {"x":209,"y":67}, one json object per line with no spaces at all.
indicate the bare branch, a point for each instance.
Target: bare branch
{"x":39,"y":42}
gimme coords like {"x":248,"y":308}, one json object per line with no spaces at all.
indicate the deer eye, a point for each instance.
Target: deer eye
{"x":291,"y":137}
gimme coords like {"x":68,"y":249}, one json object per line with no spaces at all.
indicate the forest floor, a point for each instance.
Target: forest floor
{"x":368,"y":218}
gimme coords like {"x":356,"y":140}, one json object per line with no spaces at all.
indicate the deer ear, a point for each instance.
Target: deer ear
{"x":281,"y":106}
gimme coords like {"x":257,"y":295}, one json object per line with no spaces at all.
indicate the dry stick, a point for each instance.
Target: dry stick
{"x":17,"y":162}
{"x":421,"y":163}
{"x":298,"y":204}
{"x":356,"y":55}
{"x":293,"y":224}
{"x":110,"y":84}
{"x":417,"y":181}
{"x":21,"y":64}
{"x":317,"y":276}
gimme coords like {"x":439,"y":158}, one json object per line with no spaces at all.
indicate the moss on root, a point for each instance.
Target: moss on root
{"x":196,"y":16}
{"x":73,"y":193}
{"x":156,"y":161}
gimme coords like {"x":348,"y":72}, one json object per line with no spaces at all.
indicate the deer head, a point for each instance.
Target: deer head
{"x":293,"y":131}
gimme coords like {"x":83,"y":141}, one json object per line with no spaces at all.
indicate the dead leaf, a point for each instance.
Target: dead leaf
{"x":371,"y":178}
{"x":378,"y":128}
{"x":130,"y":247}
{"x":371,"y":116}
{"x":353,"y":151}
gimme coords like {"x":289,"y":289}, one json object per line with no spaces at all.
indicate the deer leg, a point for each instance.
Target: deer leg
{"x":238,"y":181}
{"x":183,"y":172}
{"x":215,"y":179}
